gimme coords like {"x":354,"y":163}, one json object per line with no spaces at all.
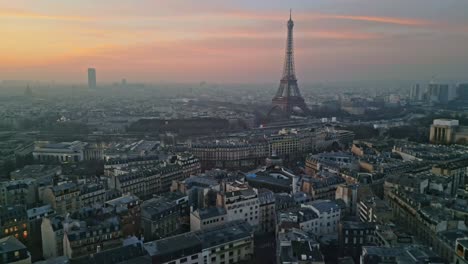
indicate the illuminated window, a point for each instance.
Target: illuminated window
{"x":6,"y":230}
{"x":25,"y":234}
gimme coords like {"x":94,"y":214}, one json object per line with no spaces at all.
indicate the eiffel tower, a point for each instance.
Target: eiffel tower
{"x":288,"y":95}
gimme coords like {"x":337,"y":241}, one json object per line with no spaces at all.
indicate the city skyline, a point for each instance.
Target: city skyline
{"x":233,"y":41}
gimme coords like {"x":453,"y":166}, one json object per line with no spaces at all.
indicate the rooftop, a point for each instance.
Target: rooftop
{"x":450,"y":236}
{"x":157,"y":205}
{"x":9,"y":244}
{"x":324,"y":205}
{"x":124,"y":200}
{"x":357,"y":225}
{"x":65,"y":147}
{"x":40,"y":211}
{"x":190,"y":243}
{"x":267,"y":179}
{"x":301,"y":247}
{"x":463,"y":242}
{"x":36,"y":171}
{"x":173,"y":244}
{"x":404,"y":255}
{"x":91,"y":187}
{"x":241,"y":194}
{"x":296,"y":215}
{"x":63,"y":187}
{"x":305,"y":251}
{"x":222,"y":234}
{"x":78,"y":230}
{"x":210,"y":212}
{"x":117,"y":255}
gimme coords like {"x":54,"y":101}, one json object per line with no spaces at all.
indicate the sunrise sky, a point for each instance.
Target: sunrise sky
{"x":232,"y":41}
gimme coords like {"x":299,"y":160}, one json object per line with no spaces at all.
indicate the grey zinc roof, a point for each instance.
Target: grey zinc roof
{"x":38,"y":211}
{"x":172,"y":244}
{"x":204,"y":239}
{"x":9,"y":244}
{"x":211,"y":212}
{"x":234,"y":230}
{"x":324,"y":205}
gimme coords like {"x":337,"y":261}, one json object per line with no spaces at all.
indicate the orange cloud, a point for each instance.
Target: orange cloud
{"x":340,"y":35}
{"x":385,"y":20}
{"x":30,"y":15}
{"x":246,"y":16}
{"x":224,"y":15}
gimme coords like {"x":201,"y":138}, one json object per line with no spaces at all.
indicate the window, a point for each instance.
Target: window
{"x":194,"y":257}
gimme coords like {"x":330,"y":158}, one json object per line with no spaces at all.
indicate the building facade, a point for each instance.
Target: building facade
{"x":448,"y":131}
{"x":228,"y":243}
{"x":206,"y":218}
{"x":14,"y":222}
{"x":64,"y":198}
{"x":165,"y":216}
{"x":241,"y":205}
{"x":329,"y":215}
{"x":22,"y":191}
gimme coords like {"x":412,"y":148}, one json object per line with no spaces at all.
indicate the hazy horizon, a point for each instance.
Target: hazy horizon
{"x":233,"y":41}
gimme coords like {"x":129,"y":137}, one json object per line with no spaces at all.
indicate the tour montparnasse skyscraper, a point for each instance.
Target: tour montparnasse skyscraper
{"x":288,"y":98}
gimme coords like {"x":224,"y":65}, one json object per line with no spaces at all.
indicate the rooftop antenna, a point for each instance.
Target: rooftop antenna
{"x":290,"y":14}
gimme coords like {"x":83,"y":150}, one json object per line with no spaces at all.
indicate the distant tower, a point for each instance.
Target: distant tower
{"x":415,"y":94}
{"x":288,"y":95}
{"x":28,"y":92}
{"x":92,"y":78}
